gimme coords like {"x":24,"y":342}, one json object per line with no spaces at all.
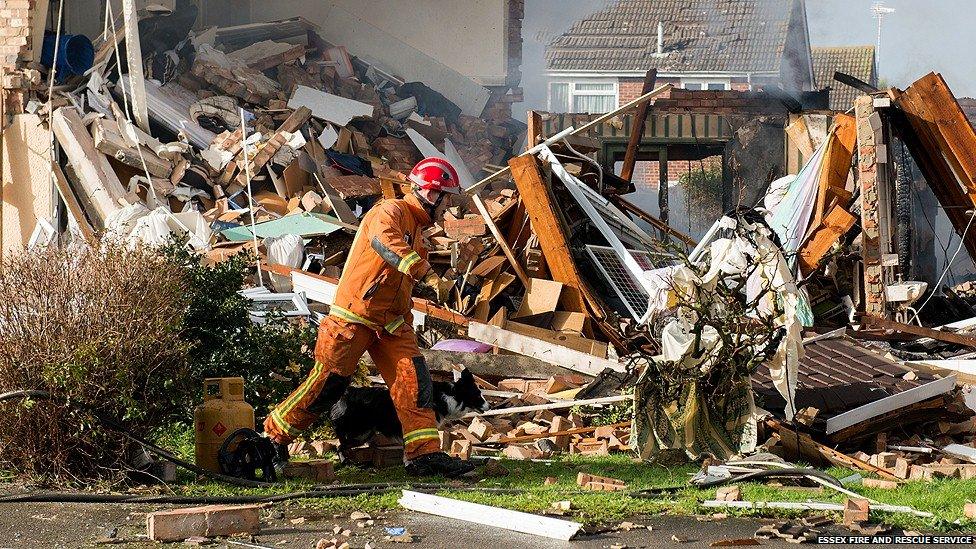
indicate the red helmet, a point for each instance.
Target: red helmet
{"x":437,"y":174}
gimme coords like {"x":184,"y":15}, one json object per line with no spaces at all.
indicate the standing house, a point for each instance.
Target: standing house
{"x":694,"y":44}
{"x":856,"y":61}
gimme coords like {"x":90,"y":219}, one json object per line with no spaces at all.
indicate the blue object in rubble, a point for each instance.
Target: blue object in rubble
{"x":76,"y":54}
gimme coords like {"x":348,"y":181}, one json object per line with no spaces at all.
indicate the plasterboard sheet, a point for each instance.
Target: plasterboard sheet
{"x":328,"y":107}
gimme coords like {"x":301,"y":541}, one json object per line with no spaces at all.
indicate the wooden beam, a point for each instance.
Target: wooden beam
{"x":552,"y":238}
{"x":939,"y":143}
{"x":837,"y":167}
{"x":490,"y":516}
{"x":100,"y":188}
{"x":637,"y":129}
{"x":548,"y":351}
{"x":71,"y":202}
{"x":948,"y":337}
{"x":630,"y":207}
{"x":108,"y":140}
{"x":831,"y":229}
{"x":133,"y":54}
{"x":813,"y":450}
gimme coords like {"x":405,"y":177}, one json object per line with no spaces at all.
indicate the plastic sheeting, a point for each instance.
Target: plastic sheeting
{"x":672,"y":416}
{"x":137,"y":224}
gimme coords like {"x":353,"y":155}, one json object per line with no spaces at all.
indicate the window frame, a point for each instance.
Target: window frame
{"x":706,"y":82}
{"x":573,"y":93}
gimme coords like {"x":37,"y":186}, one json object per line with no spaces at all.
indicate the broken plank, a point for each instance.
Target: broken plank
{"x":502,"y":243}
{"x":552,"y":238}
{"x":553,"y":406}
{"x":490,"y":516}
{"x":543,"y":350}
{"x":71,"y":202}
{"x":816,"y":451}
{"x":108,"y":140}
{"x":637,"y":131}
{"x":137,"y":78}
{"x":834,"y":225}
{"x":948,"y":337}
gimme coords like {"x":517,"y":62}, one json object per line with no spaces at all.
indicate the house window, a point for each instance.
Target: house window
{"x":588,"y":97}
{"x":703,"y":84}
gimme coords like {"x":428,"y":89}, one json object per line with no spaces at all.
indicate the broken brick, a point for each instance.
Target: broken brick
{"x":207,"y":521}
{"x":856,"y":510}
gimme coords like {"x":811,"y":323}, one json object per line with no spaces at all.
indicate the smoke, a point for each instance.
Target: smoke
{"x":544,"y":21}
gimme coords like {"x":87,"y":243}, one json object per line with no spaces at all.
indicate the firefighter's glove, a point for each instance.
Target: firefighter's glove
{"x":441,"y":286}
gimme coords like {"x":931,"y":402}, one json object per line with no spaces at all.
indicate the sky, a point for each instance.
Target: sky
{"x":919,"y":37}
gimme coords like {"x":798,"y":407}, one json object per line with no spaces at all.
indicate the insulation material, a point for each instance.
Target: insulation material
{"x":285,"y":250}
{"x":28,"y":194}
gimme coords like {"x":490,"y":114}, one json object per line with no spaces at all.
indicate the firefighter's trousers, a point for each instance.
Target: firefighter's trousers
{"x":338,"y":349}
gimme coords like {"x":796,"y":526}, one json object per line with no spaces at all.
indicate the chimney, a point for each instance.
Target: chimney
{"x":660,"y":37}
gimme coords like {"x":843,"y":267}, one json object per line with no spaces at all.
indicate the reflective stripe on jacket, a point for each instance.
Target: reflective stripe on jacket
{"x":386,"y":258}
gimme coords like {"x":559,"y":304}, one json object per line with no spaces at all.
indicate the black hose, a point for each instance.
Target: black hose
{"x":338,"y":491}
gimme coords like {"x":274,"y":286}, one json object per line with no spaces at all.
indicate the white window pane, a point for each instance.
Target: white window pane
{"x":591,"y":87}
{"x":594,"y":103}
{"x":559,"y":97}
{"x":716,"y":86}
{"x":692,"y":86}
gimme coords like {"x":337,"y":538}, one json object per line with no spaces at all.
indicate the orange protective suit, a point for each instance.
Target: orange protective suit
{"x":371,"y":313}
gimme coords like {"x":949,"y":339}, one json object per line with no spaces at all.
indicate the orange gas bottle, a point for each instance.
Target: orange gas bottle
{"x":223,"y":411}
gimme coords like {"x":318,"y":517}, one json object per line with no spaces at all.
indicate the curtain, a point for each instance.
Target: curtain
{"x":595,"y":104}
{"x":559,"y":97}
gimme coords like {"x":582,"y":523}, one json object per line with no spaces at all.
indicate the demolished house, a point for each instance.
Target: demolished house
{"x":796,"y":323}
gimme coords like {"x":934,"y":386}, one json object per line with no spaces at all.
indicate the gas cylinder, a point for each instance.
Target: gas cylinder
{"x":223,"y":411}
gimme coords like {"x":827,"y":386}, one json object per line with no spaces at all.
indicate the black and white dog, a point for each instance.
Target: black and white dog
{"x":363,"y":412}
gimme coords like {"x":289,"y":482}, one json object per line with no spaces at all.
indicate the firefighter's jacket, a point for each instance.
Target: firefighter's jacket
{"x":386,"y":258}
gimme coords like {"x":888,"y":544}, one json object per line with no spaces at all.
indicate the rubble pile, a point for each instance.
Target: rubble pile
{"x":793,"y":327}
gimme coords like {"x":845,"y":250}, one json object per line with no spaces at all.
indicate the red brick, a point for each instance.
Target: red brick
{"x":208,"y":521}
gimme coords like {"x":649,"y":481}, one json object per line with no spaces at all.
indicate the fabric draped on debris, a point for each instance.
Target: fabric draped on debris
{"x":681,"y":411}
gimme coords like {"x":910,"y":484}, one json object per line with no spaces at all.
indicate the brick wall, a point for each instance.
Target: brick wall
{"x":629,"y":89}
{"x":646,"y":175}
{"x":720,"y":102}
{"x":516,"y":12}
{"x":15,"y":32}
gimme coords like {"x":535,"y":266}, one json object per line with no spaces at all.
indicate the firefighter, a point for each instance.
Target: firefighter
{"x":371,"y":313}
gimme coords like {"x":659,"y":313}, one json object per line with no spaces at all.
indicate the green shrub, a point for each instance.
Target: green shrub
{"x":225,"y":343}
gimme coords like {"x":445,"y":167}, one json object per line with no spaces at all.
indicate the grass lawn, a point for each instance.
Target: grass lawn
{"x":944,"y":498}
